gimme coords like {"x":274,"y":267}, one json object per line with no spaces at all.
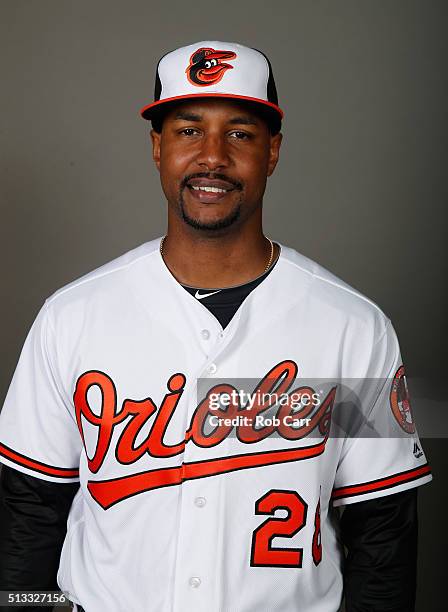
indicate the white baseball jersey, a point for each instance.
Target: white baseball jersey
{"x":189,"y":501}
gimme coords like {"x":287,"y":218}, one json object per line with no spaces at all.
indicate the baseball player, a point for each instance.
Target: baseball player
{"x":179,"y":434}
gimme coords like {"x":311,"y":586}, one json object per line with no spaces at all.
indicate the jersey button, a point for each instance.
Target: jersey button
{"x":200,"y":502}
{"x":194,"y":582}
{"x":212,"y":368}
{"x":205,"y":334}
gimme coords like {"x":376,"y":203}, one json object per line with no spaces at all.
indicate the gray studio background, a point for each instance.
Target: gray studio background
{"x":360,"y":187}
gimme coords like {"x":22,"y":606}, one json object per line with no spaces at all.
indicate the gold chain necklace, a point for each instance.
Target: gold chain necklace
{"x":265,"y":270}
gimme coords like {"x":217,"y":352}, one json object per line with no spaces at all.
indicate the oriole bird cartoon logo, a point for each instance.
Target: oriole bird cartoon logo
{"x":206,"y":66}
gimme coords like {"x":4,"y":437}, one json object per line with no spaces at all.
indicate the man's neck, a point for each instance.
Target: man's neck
{"x":217,"y":262}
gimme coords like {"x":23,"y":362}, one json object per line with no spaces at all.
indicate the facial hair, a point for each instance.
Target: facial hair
{"x":231,"y":218}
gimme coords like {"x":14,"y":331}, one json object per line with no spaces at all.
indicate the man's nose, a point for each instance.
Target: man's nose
{"x":213,"y":152}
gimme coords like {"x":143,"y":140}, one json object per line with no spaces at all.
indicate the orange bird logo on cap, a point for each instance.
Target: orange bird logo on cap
{"x":206,"y":66}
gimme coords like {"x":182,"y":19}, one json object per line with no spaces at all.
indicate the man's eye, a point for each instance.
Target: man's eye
{"x":187,"y":130}
{"x":241,"y":135}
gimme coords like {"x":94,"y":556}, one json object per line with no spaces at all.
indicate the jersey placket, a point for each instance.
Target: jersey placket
{"x":200,"y":524}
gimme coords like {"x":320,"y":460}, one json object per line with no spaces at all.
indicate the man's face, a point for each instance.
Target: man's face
{"x":214,"y":144}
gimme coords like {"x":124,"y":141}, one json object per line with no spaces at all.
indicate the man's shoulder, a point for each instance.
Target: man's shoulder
{"x":330,"y":292}
{"x":107,"y":277}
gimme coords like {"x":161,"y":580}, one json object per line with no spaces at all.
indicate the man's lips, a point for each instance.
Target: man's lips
{"x":204,"y":182}
{"x":209,"y":190}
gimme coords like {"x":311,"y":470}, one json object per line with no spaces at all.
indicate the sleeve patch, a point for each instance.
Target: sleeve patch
{"x":400,"y":402}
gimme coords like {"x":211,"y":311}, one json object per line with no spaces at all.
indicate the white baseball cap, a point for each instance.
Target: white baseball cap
{"x":215,"y":69}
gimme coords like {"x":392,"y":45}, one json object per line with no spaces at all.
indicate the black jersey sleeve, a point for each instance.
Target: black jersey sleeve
{"x":380,"y":536}
{"x":33,"y":524}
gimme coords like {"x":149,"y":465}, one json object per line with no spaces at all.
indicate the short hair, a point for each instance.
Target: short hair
{"x":266,"y":114}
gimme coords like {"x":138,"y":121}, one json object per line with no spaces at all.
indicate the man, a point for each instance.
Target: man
{"x":193,"y":495}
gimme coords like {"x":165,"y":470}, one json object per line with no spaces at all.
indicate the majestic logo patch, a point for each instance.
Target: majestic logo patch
{"x":417,"y":451}
{"x":206,"y":66}
{"x":400,"y":402}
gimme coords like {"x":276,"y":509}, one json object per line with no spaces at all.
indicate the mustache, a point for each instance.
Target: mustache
{"x":211,"y":176}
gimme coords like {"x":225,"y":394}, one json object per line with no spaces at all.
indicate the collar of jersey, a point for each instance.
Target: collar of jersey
{"x":226,"y":296}
{"x":262,"y":286}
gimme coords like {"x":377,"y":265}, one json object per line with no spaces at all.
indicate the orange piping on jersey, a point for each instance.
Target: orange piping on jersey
{"x":382,"y":483}
{"x":37,"y":466}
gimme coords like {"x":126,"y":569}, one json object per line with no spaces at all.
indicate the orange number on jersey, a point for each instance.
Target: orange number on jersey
{"x":317,"y":542}
{"x":263,"y":553}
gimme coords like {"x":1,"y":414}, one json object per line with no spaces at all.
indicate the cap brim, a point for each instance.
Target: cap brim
{"x":151,"y":110}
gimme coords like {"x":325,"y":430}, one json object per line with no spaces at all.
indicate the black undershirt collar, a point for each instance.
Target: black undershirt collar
{"x":224,"y":302}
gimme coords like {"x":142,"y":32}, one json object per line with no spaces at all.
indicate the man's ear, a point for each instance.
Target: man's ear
{"x":274,"y":152}
{"x":155,"y":137}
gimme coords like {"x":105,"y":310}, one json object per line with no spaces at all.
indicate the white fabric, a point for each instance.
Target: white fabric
{"x":193,"y":543}
{"x":247,"y":77}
